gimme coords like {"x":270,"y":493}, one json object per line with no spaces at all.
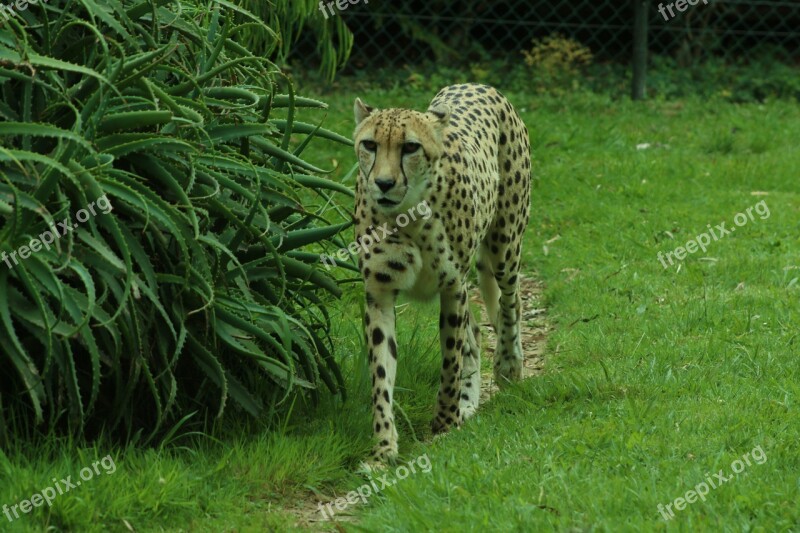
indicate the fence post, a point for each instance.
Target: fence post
{"x":640,"y":13}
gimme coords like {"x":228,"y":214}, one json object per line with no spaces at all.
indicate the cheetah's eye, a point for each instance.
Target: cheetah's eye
{"x":369,"y":146}
{"x":410,"y":148}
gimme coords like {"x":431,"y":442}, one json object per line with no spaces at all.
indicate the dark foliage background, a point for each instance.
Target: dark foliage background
{"x":474,"y":30}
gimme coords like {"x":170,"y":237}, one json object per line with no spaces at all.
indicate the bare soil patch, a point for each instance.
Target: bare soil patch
{"x":534,"y":332}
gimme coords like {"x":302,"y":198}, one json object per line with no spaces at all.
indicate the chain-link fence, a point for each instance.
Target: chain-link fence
{"x":409,"y":32}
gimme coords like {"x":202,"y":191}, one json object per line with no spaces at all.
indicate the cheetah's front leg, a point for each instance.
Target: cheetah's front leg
{"x":471,"y":368}
{"x":380,"y":336}
{"x":452,"y":337}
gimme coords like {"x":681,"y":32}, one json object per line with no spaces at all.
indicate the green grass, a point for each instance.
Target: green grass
{"x":655,"y":378}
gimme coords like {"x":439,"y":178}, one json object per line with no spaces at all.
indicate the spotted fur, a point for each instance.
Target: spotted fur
{"x":468,"y":157}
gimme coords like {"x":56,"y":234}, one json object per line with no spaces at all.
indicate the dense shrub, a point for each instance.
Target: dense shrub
{"x":192,"y":293}
{"x":293,"y":18}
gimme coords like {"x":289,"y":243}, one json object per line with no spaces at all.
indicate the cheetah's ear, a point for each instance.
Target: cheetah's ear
{"x":441,"y":114}
{"x":362,"y":111}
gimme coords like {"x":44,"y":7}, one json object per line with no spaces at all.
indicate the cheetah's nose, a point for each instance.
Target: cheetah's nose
{"x":384,"y":184}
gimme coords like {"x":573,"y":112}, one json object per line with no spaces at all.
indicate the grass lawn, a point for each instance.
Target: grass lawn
{"x":657,"y":380}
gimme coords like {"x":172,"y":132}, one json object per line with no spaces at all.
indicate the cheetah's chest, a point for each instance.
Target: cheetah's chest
{"x":439,"y":270}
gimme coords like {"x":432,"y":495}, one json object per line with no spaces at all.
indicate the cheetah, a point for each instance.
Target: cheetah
{"x":467,"y":158}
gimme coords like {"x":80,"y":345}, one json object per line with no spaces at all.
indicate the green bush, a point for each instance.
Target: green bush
{"x":334,"y":39}
{"x":193,"y":292}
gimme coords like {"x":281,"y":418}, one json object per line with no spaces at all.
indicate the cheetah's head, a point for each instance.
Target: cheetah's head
{"x":398,"y":152}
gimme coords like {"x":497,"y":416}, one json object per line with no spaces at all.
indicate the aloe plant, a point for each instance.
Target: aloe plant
{"x":334,"y":39}
{"x":192,"y":292}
